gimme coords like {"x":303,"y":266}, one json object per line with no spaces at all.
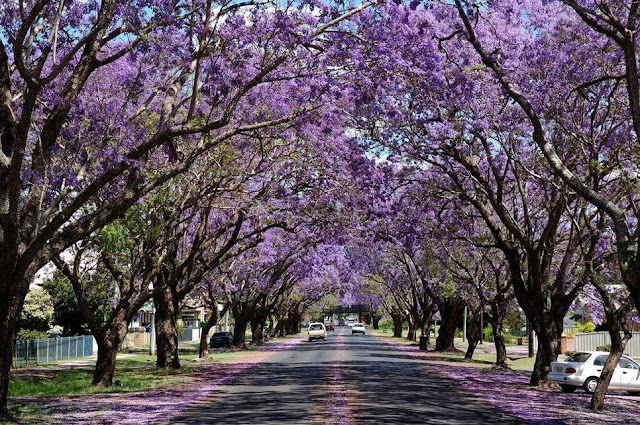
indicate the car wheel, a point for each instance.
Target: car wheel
{"x":568,"y":388}
{"x":325,"y":338}
{"x":590,"y":385}
{"x":310,"y":339}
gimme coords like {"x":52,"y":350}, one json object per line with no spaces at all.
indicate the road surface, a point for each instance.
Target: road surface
{"x":349,"y":379}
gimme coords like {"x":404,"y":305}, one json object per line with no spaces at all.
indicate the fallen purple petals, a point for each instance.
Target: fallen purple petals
{"x":148,"y":407}
{"x":511,"y":393}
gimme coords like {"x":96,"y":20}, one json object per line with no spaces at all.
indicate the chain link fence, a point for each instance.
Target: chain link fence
{"x":50,"y":350}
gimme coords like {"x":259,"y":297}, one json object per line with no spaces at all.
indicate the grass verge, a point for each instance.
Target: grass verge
{"x":135,"y":372}
{"x":488,"y":359}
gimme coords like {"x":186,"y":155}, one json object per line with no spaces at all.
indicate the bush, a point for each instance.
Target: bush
{"x":488,"y":334}
{"x":24,"y":334}
{"x":604,"y":348}
{"x":586,"y":327}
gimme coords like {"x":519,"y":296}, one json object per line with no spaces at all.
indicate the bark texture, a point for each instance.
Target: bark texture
{"x":450,"y":312}
{"x":166,"y":330}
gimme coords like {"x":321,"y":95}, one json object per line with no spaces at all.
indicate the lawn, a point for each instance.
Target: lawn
{"x":135,"y":372}
{"x":481,"y":358}
{"x":132,"y":374}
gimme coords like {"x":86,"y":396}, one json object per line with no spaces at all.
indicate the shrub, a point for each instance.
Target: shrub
{"x":24,"y":334}
{"x":586,"y":327}
{"x":604,"y":348}
{"x":488,"y":334}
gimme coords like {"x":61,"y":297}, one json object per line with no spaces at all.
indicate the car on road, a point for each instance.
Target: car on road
{"x":221,"y":339}
{"x":351,"y":322}
{"x":358,"y":328}
{"x":329,"y":326}
{"x":340,"y":322}
{"x":583,"y":369}
{"x":317,"y":331}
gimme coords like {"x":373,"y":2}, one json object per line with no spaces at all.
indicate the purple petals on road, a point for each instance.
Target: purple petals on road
{"x":511,"y":393}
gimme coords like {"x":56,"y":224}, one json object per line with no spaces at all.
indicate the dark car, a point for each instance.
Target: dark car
{"x":329,"y":326}
{"x":221,"y":339}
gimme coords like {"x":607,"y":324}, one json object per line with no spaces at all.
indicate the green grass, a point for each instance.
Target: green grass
{"x":525,"y":362}
{"x":136,"y":372}
{"x":133,"y":374}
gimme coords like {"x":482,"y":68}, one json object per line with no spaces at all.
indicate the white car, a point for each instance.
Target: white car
{"x":584,"y":368}
{"x":358,"y":328}
{"x":317,"y":330}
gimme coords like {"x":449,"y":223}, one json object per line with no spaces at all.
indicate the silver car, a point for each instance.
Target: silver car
{"x":583,"y":369}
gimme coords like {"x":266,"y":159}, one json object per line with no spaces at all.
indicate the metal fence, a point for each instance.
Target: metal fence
{"x":590,"y":341}
{"x":49,"y":350}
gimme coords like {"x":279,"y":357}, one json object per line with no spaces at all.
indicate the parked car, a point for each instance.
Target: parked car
{"x":221,"y":339}
{"x":317,"y":331}
{"x":584,"y":368}
{"x":358,"y":328}
{"x":329,"y":327}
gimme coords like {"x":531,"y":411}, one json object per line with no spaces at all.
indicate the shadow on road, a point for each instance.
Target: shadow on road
{"x":343,"y":380}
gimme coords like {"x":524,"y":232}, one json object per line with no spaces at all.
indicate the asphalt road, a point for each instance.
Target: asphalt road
{"x":348,"y":379}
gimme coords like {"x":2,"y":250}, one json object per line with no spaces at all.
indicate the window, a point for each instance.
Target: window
{"x":579,"y":357}
{"x":600,"y":360}
{"x":627,"y":363}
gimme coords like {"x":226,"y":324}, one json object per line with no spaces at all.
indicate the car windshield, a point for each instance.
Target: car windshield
{"x":315,"y":327}
{"x":359,"y":325}
{"x":221,"y":334}
{"x":579,"y":357}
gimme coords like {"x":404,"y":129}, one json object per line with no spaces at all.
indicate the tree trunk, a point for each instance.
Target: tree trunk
{"x":411,"y":334}
{"x":548,"y":348}
{"x":280,"y":327}
{"x":397,"y":325}
{"x":106,"y":364}
{"x":257,"y":329}
{"x":203,"y":350}
{"x":108,"y":345}
{"x":166,"y":330}
{"x":241,"y":315}
{"x":376,"y":322}
{"x":450,"y":312}
{"x":474,"y":331}
{"x":498,"y":312}
{"x":11,"y":301}
{"x":618,"y":324}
